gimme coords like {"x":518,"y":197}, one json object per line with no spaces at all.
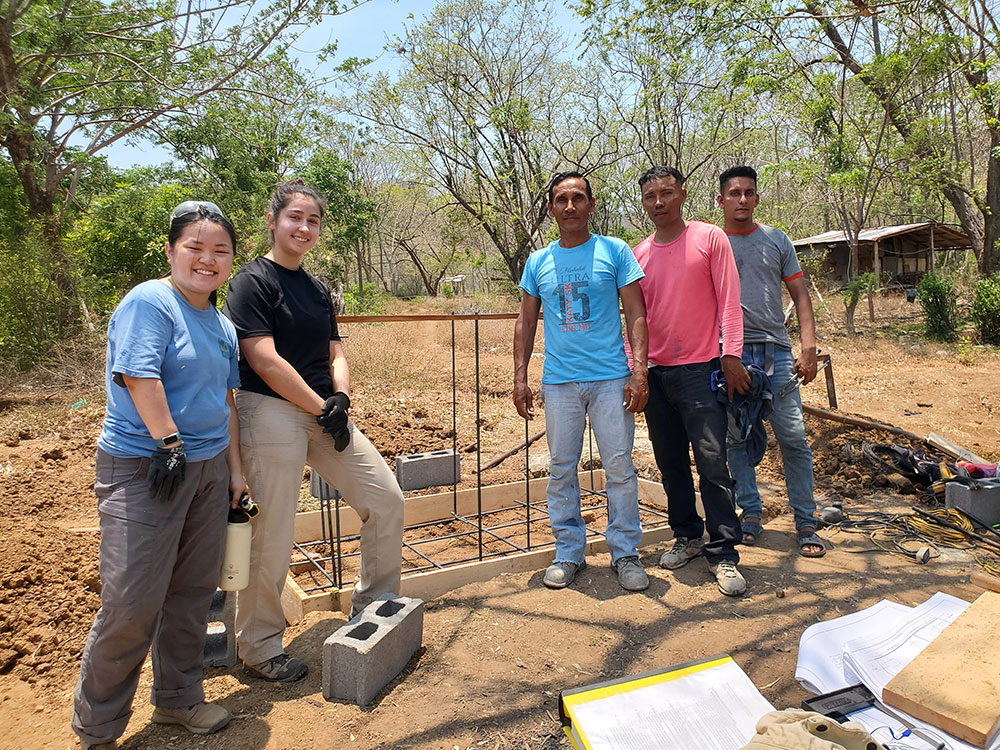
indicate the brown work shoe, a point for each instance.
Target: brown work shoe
{"x":203,"y":718}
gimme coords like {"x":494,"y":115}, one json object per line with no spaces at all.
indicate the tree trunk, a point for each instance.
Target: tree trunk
{"x":850,"y":308}
{"x":989,"y":260}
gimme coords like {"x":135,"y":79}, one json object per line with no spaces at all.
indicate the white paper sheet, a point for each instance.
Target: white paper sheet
{"x":820,"y":666}
{"x":871,"y":647}
{"x":714,"y":709}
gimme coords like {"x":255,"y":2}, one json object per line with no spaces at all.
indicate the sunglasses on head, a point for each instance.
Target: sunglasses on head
{"x":193,"y":207}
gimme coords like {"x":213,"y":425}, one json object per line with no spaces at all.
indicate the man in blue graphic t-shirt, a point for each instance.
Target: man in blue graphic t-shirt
{"x":577,"y":281}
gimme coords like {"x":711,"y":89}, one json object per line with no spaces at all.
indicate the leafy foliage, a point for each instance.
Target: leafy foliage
{"x":937,"y":296}
{"x":986,"y":309}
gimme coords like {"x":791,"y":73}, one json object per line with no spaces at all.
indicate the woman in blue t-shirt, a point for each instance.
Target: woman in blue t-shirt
{"x":168,"y":470}
{"x":293,"y":406}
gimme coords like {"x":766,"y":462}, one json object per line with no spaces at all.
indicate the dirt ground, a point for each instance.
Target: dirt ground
{"x":495,"y":655}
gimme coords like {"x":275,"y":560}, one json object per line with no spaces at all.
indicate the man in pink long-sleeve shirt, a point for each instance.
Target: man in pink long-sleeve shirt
{"x":692,"y":290}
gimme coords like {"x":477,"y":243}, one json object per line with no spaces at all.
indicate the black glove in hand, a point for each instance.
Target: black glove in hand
{"x":166,"y":472}
{"x":333,"y":420}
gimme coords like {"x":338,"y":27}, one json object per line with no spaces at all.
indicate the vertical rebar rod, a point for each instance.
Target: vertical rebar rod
{"x":527,"y":488}
{"x":479,"y":452}
{"x":340,"y":559}
{"x":454,"y":422}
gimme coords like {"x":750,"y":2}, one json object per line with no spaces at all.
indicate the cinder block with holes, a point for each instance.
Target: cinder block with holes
{"x":419,"y":470}
{"x":220,"y":644}
{"x":367,"y":653}
{"x":981,"y":502}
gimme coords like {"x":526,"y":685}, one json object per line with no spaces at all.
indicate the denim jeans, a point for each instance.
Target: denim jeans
{"x":683,"y":410}
{"x":789,"y":429}
{"x":567,"y":405}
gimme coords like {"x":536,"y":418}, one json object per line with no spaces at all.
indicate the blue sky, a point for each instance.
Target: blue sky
{"x":362,"y":32}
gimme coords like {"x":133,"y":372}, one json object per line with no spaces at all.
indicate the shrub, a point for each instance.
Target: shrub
{"x":937,"y":297}
{"x":853,"y":292}
{"x":986,"y":309}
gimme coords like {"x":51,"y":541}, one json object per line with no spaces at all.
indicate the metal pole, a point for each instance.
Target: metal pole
{"x":527,"y":488}
{"x":479,"y":453}
{"x":454,"y":421}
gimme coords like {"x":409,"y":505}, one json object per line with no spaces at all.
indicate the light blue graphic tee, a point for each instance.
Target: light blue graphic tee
{"x":578,"y":288}
{"x":156,"y":333}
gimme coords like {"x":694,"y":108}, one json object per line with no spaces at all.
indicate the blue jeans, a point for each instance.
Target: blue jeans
{"x":790,"y":431}
{"x":682,"y":411}
{"x":567,"y":405}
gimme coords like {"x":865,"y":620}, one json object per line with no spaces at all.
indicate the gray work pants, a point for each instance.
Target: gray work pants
{"x":160,"y":567}
{"x":277,"y":439}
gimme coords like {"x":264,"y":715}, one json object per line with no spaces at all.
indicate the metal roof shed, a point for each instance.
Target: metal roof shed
{"x":907,"y":251}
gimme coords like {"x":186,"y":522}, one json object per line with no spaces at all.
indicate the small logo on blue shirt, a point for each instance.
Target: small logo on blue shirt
{"x":225,"y":347}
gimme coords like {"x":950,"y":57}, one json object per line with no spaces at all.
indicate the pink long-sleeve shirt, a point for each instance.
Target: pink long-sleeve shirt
{"x":692,"y":290}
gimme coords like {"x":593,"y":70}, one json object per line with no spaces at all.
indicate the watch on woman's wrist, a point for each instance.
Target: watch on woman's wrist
{"x":163,"y":442}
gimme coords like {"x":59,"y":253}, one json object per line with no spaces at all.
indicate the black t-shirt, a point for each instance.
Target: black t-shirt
{"x":292,"y":307}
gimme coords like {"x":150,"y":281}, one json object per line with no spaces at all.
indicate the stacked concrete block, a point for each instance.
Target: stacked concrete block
{"x":318,"y":487}
{"x":982,"y":502}
{"x":367,"y":653}
{"x":220,"y":644}
{"x":419,"y":470}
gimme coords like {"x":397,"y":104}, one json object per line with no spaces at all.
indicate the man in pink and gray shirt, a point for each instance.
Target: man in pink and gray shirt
{"x":692,"y":291}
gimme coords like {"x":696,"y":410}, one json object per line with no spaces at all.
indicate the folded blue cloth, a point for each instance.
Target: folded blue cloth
{"x":747,"y":411}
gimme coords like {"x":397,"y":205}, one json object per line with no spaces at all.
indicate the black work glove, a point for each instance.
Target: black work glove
{"x":333,"y":420}
{"x":166,"y":472}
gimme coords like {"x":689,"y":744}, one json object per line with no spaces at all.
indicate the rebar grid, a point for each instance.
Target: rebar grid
{"x":330,"y":505}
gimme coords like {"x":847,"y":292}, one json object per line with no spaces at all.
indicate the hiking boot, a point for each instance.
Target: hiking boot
{"x":203,"y":718}
{"x":631,"y":576}
{"x":731,"y":581}
{"x":683,"y":552}
{"x":559,"y":575}
{"x":281,"y":668}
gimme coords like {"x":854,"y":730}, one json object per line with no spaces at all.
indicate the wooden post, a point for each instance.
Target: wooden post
{"x":877,"y":270}
{"x":932,"y":248}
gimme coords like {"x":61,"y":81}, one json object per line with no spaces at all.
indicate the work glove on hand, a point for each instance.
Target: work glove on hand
{"x":333,"y":420}
{"x":166,"y":472}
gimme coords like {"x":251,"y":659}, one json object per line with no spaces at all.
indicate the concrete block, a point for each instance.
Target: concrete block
{"x":982,"y":502}
{"x":367,"y":653}
{"x":220,"y":643}
{"x":419,"y":470}
{"x":318,"y":487}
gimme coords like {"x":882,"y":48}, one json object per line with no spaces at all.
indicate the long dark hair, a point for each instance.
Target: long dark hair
{"x":283,"y":194}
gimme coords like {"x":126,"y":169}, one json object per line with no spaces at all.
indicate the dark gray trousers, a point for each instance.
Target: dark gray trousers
{"x":159,"y":567}
{"x":683,"y":410}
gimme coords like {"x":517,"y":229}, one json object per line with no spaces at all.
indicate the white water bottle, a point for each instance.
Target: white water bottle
{"x":236,"y":561}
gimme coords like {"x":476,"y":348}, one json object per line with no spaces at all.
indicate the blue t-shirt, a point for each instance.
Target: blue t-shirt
{"x":155,"y":333}
{"x":578,"y":287}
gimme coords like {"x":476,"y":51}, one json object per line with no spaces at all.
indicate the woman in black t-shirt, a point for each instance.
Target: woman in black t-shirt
{"x":294,"y":409}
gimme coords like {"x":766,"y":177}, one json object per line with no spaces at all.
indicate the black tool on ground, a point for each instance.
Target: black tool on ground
{"x":838,"y":704}
{"x":248,"y":506}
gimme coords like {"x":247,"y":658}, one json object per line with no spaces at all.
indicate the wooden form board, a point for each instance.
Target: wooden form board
{"x":436,"y":507}
{"x":433,"y":583}
{"x":954,"y":683}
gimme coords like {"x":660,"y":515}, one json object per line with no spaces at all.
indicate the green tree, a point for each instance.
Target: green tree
{"x":486,"y":112}
{"x":77,"y":76}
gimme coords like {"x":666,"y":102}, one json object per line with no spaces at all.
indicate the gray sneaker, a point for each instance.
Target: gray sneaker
{"x":281,"y":668}
{"x":559,"y":575}
{"x":631,"y":576}
{"x":683,"y":552}
{"x":731,"y":581}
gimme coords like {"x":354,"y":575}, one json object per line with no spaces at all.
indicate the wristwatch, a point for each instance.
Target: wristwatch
{"x":163,"y":442}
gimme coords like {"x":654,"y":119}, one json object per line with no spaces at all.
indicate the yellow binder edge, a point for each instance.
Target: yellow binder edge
{"x":578,"y":699}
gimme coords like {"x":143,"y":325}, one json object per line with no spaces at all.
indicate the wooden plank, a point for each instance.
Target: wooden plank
{"x":434,"y":583}
{"x":954,"y":683}
{"x":296,"y":603}
{"x":954,"y":449}
{"x":985,"y":580}
{"x":308,"y":525}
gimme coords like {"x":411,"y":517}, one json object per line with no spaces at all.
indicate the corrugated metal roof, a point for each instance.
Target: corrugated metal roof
{"x":868,"y":235}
